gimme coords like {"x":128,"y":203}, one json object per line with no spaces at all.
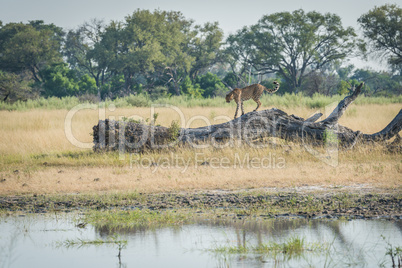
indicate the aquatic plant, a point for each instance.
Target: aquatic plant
{"x":394,"y":252}
{"x":138,"y":218}
{"x":294,"y":246}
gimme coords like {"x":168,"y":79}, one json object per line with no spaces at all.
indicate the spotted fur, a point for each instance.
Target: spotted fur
{"x":250,"y":92}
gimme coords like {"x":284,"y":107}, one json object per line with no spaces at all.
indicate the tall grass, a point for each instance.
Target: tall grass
{"x":287,"y":100}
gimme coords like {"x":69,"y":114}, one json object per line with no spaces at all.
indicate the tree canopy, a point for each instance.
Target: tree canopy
{"x":163,"y":53}
{"x":29,"y":47}
{"x":382,"y":27}
{"x":293,"y":44}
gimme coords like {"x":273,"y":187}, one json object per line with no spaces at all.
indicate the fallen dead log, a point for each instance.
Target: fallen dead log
{"x":250,"y":128}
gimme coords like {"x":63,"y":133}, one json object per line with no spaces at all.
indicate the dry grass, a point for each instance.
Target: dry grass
{"x":197,"y":177}
{"x":36,"y":156}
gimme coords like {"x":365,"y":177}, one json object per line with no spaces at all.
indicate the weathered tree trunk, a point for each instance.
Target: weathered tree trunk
{"x":134,"y":137}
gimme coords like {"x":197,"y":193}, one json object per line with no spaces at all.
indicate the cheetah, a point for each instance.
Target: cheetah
{"x":250,"y":92}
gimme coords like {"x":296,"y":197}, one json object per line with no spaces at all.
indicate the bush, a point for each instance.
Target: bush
{"x":140,"y":100}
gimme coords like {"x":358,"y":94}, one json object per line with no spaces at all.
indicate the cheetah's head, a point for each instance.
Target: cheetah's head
{"x":229,"y":97}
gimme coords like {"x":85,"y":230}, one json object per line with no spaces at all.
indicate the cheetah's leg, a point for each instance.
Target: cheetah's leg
{"x":237,"y":109}
{"x":258,"y":104}
{"x":242,"y":108}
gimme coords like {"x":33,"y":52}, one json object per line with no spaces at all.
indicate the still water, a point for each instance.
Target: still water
{"x":38,"y":241}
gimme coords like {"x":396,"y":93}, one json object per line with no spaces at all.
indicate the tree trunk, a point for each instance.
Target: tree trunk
{"x":249,"y":128}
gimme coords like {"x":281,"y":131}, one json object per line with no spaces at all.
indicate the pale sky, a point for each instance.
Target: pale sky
{"x":232,"y":15}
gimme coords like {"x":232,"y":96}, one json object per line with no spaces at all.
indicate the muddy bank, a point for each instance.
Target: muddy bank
{"x":237,"y":204}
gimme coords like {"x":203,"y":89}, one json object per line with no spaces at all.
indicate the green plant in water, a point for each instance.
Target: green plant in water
{"x":295,"y":246}
{"x":113,"y":240}
{"x":394,"y":252}
{"x":144,"y":218}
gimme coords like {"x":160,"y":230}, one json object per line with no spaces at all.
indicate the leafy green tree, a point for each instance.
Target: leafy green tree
{"x":211,"y":85}
{"x":231,"y":80}
{"x":294,"y":44}
{"x":29,"y":47}
{"x":59,"y":81}
{"x":379,"y":83}
{"x":238,"y":54}
{"x":105,"y":54}
{"x":188,"y":88}
{"x":147,"y":45}
{"x":320,"y":82}
{"x":79,"y":50}
{"x":15,"y":87}
{"x":140,"y":49}
{"x":382,"y":27}
{"x":205,"y":47}
{"x":87,"y":85}
{"x":345,"y":72}
{"x":159,"y":92}
{"x":113,"y":87}
{"x":57,"y":32}
{"x":344,"y":87}
{"x":175,"y":48}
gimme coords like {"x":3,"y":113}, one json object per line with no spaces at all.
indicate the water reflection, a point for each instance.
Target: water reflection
{"x":31,"y":242}
{"x":350,"y":243}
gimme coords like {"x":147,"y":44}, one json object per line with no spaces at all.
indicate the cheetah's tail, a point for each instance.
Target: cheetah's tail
{"x":273,"y":90}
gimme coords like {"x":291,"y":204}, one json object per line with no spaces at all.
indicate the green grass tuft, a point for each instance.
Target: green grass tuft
{"x":145,"y":218}
{"x":294,"y":246}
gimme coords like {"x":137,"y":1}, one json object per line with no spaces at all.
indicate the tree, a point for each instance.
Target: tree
{"x":379,"y":83}
{"x":156,"y":48}
{"x":382,"y":27}
{"x":61,"y":81}
{"x":205,"y":47}
{"x":344,"y":72}
{"x":105,"y":54}
{"x":320,"y":82}
{"x":142,"y":42}
{"x":294,"y":44}
{"x":15,"y":87}
{"x":150,"y":46}
{"x":58,"y":81}
{"x":211,"y":85}
{"x":79,"y":50}
{"x":238,"y":53}
{"x":176,"y":48}
{"x":29,"y":47}
{"x":188,"y":88}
